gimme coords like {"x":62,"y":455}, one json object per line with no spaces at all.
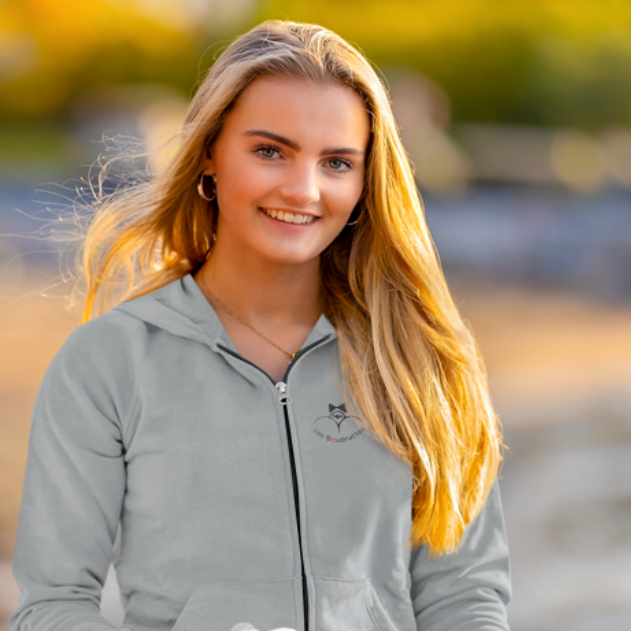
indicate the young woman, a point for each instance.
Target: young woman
{"x":285,"y":422}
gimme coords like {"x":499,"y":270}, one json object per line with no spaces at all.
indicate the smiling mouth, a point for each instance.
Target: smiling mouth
{"x":286,"y":217}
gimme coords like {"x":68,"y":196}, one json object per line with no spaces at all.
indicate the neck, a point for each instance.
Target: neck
{"x":262,"y":291}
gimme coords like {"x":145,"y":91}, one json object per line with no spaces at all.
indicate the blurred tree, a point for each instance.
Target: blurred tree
{"x":74,"y":45}
{"x":551,"y":62}
{"x":580,"y":81}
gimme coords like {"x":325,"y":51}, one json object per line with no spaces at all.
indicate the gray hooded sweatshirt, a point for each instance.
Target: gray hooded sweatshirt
{"x":224,"y":497}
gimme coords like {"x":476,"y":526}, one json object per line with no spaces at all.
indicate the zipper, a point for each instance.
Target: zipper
{"x":284,"y":399}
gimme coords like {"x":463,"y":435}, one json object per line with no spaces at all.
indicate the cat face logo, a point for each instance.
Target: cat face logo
{"x":337,"y":414}
{"x":330,"y":428}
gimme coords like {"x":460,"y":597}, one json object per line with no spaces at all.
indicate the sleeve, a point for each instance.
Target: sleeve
{"x":469,"y":589}
{"x":73,"y":487}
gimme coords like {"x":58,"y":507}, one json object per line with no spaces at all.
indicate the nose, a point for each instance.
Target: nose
{"x":301,"y":186}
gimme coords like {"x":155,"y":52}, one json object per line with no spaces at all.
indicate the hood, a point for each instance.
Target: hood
{"x":181,"y":308}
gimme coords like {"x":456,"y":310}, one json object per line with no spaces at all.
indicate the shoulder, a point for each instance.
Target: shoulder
{"x":114,"y":339}
{"x":102,"y":360}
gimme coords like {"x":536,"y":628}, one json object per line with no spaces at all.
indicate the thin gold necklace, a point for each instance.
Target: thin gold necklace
{"x":234,"y":315}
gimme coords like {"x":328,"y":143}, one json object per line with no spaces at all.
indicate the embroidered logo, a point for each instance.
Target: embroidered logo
{"x":331,"y":429}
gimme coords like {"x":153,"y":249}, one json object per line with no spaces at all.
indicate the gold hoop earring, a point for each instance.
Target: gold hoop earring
{"x":352,"y":223}
{"x":201,"y":190}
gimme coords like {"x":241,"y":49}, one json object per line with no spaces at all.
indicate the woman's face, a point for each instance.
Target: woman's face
{"x":293,"y":147}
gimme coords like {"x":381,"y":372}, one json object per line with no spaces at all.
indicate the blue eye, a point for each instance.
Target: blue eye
{"x":337,"y":164}
{"x":267,"y":152}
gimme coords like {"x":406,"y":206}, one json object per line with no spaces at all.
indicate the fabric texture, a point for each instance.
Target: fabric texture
{"x":154,"y":445}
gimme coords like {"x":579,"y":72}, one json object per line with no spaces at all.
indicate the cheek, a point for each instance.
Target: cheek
{"x":344,"y":197}
{"x":243,"y":182}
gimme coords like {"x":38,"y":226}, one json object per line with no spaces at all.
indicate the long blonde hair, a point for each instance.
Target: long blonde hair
{"x":411,"y":364}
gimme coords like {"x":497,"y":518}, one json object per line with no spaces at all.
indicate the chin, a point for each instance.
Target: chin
{"x":288,"y":258}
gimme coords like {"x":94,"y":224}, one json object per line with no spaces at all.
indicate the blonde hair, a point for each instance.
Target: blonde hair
{"x":411,"y":363}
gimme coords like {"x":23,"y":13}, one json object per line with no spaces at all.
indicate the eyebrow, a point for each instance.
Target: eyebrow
{"x":347,"y":151}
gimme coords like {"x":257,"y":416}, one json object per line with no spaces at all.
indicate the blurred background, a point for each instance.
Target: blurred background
{"x":517,"y":116}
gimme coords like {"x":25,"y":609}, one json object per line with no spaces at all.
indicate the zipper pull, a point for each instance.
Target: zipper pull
{"x":284,"y":399}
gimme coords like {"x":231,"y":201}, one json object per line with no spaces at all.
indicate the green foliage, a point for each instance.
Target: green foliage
{"x":581,"y":83}
{"x":73,"y":46}
{"x":550,"y":62}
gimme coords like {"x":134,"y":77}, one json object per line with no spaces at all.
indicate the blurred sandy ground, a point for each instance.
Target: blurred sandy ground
{"x":559,"y":368}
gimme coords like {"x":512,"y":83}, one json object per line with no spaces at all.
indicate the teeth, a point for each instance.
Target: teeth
{"x":289,"y":217}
